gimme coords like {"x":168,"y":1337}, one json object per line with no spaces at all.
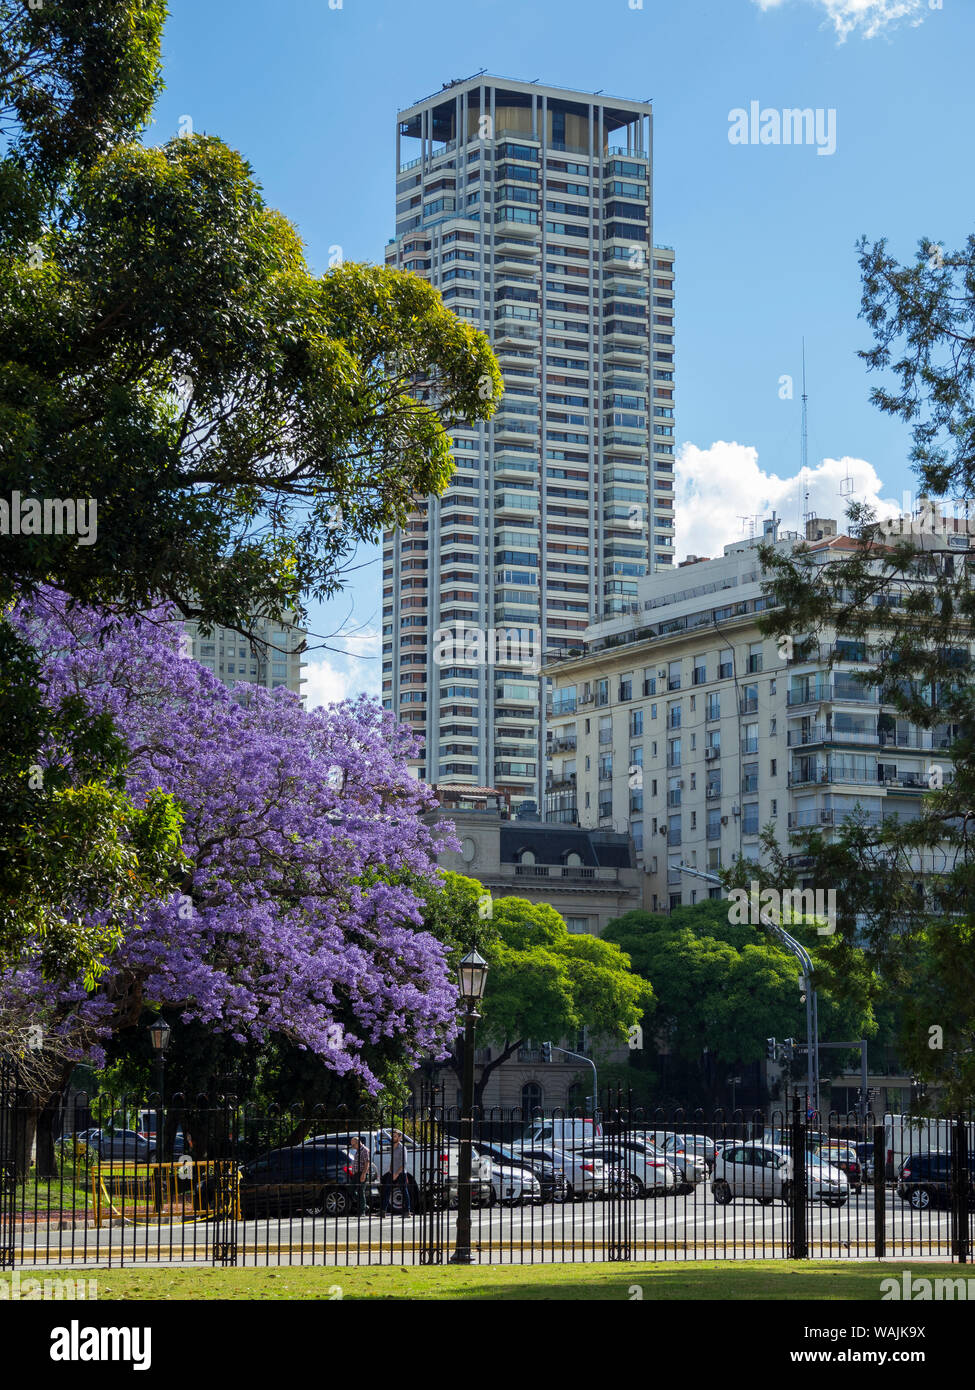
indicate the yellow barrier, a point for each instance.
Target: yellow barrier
{"x":159,"y":1192}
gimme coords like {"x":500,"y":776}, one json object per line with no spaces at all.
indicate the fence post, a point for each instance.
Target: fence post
{"x":879,"y":1194}
{"x":225,"y":1216}
{"x":959,"y":1190}
{"x":8,"y":1165}
{"x":799,"y":1245}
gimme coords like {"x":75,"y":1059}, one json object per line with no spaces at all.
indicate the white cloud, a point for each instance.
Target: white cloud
{"x":718,"y":486}
{"x":333,"y":676}
{"x":872,"y":17}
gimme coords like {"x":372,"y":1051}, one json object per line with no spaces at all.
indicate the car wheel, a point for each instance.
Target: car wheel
{"x":336,"y":1202}
{"x":920,"y":1198}
{"x":835,"y":1201}
{"x":561,"y":1191}
{"x":722,"y":1193}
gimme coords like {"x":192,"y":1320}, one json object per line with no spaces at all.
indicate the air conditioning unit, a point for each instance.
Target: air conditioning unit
{"x":710,"y":754}
{"x":662,"y":676}
{"x":724,"y":820}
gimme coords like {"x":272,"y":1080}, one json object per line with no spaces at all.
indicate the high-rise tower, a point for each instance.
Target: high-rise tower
{"x":531,"y":209}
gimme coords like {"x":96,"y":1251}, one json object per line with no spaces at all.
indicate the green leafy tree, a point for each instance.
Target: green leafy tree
{"x":240,"y":422}
{"x":544,"y":982}
{"x":723,"y":987}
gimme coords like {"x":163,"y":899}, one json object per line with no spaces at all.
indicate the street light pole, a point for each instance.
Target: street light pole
{"x":809,"y":995}
{"x":159,"y":1035}
{"x":595,"y":1080}
{"x":472,"y":974}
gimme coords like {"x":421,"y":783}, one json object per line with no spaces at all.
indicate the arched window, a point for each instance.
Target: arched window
{"x":531,"y":1098}
{"x":526,"y":856}
{"x":573,"y":860}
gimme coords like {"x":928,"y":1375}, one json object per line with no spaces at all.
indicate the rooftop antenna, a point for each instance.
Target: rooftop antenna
{"x":749,"y":521}
{"x":804,"y":467}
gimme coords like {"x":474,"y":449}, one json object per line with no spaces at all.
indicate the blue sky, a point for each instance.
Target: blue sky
{"x":764,"y":234}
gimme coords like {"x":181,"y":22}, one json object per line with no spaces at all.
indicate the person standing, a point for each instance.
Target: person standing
{"x":361,"y":1171}
{"x":396,"y":1176}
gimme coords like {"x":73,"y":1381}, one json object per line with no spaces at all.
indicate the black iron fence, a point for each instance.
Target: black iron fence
{"x":121,"y":1180}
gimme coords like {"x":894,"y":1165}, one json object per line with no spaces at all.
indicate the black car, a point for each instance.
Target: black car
{"x":309,"y":1180}
{"x":551,"y":1180}
{"x":925,"y":1181}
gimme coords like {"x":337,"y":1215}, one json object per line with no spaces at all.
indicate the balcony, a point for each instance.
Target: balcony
{"x":804,"y":820}
{"x":561,"y":707}
{"x":838,"y":691}
{"x":920,"y":739}
{"x":565,"y":744}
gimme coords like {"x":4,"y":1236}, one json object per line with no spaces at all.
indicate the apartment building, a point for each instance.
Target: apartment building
{"x":275,"y":659}
{"x":687,"y":726}
{"x":531,"y":209}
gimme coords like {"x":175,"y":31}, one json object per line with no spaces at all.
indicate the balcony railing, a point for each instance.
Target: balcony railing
{"x":870,"y":738}
{"x":564,"y":745}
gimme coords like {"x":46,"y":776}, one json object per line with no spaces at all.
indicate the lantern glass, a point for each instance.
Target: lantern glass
{"x":472,"y":974}
{"x":160,"y":1033}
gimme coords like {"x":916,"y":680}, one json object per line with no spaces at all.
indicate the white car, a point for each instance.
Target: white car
{"x":687,"y":1153}
{"x":764,"y":1172}
{"x":513,"y":1187}
{"x":586,"y":1178}
{"x":638,"y":1168}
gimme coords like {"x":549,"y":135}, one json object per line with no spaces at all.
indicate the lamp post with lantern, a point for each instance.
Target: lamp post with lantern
{"x":472,"y":977}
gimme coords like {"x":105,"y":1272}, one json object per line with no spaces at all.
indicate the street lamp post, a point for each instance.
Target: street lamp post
{"x":159,"y":1035}
{"x":472,"y":976}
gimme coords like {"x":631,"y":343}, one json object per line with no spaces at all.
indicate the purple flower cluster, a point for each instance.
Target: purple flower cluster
{"x":295,"y":821}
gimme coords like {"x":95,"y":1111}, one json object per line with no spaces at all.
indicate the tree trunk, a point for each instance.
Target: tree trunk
{"x":487,"y":1070}
{"x":47,"y":1120}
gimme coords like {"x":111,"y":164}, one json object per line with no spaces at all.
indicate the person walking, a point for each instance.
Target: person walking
{"x":396,"y":1176}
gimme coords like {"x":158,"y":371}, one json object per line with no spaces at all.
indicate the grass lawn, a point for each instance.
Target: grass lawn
{"x":707,"y":1279}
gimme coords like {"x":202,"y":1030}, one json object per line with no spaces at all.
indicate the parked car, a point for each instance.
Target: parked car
{"x":925,"y":1181}
{"x":636,"y":1169}
{"x":307,"y":1180}
{"x":696,"y":1145}
{"x":512,"y":1184}
{"x":116,"y":1145}
{"x":559,"y":1131}
{"x":865,"y":1153}
{"x":691,"y":1165}
{"x":585,"y":1177}
{"x":431,"y":1172}
{"x":844,"y":1157}
{"x":553,"y":1185}
{"x":764,"y":1172}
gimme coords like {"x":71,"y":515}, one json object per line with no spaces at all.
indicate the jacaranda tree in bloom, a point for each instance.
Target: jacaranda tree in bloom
{"x":280,"y":921}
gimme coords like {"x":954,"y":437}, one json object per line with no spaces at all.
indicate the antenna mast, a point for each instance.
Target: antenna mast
{"x":806,"y":513}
